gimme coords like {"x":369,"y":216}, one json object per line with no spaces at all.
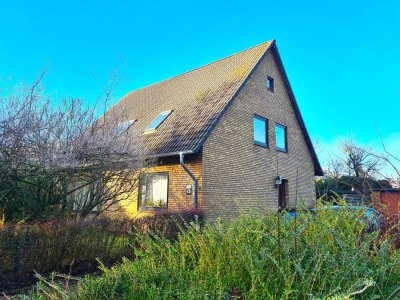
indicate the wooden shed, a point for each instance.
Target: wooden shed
{"x":387,"y":201}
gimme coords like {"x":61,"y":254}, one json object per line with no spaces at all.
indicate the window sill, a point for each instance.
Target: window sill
{"x":263,"y":145}
{"x":149,"y":131}
{"x":282,"y":150}
{"x":153,"y":208}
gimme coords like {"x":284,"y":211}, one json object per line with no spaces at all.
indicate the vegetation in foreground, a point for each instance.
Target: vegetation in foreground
{"x":74,"y":247}
{"x":327,"y":255}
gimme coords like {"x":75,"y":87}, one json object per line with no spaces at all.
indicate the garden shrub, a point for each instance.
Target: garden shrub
{"x":167,"y":224}
{"x":64,"y":246}
{"x":326,"y":255}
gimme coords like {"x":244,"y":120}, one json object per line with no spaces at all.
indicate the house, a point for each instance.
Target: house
{"x":228,"y":137}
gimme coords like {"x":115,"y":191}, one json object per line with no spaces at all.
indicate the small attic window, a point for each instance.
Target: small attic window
{"x":270,"y":84}
{"x":158,"y":121}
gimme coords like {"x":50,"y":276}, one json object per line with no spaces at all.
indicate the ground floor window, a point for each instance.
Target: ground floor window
{"x":85,"y":197}
{"x":153,"y":190}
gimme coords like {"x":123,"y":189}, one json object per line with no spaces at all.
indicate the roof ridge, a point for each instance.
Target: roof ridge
{"x":199,"y":67}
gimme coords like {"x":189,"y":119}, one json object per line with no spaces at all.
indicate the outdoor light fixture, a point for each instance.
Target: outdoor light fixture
{"x":278,"y":181}
{"x":189,"y":189}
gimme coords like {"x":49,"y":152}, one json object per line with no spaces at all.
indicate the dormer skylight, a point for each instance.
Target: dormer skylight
{"x":158,"y":121}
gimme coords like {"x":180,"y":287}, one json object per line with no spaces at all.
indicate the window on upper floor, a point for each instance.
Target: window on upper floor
{"x":270,"y":84}
{"x":153,"y":190}
{"x":260,"y":128}
{"x":158,"y":120}
{"x":281,"y":137}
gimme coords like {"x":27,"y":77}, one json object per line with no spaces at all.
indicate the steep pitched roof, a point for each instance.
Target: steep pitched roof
{"x":198,"y":99}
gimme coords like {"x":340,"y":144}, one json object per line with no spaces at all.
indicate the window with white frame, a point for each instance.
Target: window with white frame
{"x":123,"y":127}
{"x":153,"y":190}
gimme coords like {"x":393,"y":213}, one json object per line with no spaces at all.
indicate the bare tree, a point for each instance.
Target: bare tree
{"x":359,"y":162}
{"x":57,"y":159}
{"x":354,"y":169}
{"x":388,"y":161}
{"x":335,"y":168}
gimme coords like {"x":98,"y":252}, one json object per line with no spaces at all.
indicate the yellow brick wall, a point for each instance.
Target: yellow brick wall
{"x":178,"y":179}
{"x":239,"y":175}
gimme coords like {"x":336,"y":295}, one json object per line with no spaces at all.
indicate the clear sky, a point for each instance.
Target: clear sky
{"x":342,"y":57}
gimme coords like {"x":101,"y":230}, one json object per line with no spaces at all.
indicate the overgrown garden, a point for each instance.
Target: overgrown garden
{"x":323,"y":255}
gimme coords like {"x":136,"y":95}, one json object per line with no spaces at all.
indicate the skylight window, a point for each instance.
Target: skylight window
{"x":124,"y":126}
{"x":158,"y":121}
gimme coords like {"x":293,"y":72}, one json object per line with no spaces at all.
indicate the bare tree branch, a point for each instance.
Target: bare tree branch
{"x":58,"y":159}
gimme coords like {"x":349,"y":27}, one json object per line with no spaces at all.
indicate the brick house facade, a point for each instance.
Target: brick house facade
{"x":212,"y":122}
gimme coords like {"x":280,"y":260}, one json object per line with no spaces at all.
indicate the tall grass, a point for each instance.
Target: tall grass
{"x":322,"y":256}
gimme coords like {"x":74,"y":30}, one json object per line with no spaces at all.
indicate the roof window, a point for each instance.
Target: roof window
{"x":159,"y":120}
{"x":123,"y":127}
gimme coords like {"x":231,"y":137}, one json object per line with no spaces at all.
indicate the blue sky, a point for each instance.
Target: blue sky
{"x":342,"y":57}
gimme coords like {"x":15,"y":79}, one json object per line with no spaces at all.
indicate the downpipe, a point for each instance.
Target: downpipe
{"x":182,"y":162}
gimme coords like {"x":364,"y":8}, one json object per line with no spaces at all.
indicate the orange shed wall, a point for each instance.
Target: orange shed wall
{"x":390,"y":202}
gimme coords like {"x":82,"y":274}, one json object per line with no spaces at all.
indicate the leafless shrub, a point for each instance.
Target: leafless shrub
{"x":58,"y":159}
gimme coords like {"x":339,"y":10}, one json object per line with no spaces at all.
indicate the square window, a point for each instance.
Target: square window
{"x":260,"y":126}
{"x":84,"y":197}
{"x":270,"y":84}
{"x":153,"y":190}
{"x":281,"y":137}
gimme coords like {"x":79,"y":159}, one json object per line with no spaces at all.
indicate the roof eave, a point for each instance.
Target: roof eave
{"x":317,"y":166}
{"x":169,"y":154}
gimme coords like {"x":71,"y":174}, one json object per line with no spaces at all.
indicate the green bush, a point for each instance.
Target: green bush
{"x":313,"y":256}
{"x":64,"y":246}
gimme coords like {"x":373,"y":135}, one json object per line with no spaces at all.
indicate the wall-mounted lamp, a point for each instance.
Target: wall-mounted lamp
{"x":189,"y":189}
{"x":278,"y":181}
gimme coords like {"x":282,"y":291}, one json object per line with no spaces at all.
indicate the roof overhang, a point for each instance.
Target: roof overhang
{"x":317,"y":166}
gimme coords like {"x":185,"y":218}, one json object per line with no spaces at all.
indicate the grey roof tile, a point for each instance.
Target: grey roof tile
{"x":197,"y":99}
